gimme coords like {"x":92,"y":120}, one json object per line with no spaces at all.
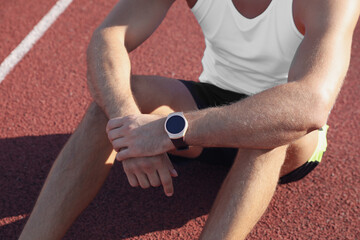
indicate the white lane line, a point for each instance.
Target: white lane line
{"x":36,"y":33}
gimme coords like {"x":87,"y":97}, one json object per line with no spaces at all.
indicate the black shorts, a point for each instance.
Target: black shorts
{"x":207,"y":95}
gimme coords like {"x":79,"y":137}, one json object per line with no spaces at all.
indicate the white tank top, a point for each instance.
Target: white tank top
{"x":247,"y":55}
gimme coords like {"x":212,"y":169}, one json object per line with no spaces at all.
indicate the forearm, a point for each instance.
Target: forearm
{"x":283,"y":113}
{"x":109,"y":72}
{"x":269,"y":119}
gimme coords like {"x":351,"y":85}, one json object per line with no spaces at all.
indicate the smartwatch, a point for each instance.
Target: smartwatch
{"x":176,"y":126}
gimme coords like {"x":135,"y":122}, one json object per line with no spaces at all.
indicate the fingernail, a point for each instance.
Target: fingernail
{"x":174,"y":172}
{"x":169,"y":194}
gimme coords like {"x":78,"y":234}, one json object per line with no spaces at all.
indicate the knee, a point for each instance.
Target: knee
{"x":91,"y":65}
{"x":258,"y":159}
{"x":95,"y":114}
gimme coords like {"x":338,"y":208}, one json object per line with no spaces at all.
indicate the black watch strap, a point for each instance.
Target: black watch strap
{"x":180,"y":144}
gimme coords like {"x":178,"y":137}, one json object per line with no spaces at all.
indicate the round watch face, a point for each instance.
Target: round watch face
{"x":175,"y":124}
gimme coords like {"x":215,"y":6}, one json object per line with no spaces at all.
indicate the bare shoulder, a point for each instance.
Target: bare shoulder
{"x":328,"y":15}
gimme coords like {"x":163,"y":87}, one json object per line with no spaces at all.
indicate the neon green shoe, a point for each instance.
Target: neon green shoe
{"x":322,"y":145}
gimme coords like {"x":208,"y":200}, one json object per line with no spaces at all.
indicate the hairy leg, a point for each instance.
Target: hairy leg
{"x":245,"y":194}
{"x":249,"y":187}
{"x":75,"y":178}
{"x":84,"y":163}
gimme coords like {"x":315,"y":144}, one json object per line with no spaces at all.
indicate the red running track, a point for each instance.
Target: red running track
{"x":43,"y":99}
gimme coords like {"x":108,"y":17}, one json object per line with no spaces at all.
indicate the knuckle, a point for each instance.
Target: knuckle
{"x":131,"y":127}
{"x":131,"y":130}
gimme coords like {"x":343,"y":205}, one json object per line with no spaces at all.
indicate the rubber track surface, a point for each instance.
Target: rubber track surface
{"x":43,"y":99}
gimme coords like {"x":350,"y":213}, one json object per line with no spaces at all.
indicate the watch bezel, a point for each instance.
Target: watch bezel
{"x":181,"y":134}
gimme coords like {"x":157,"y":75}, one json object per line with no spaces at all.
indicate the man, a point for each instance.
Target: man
{"x":272,"y":72}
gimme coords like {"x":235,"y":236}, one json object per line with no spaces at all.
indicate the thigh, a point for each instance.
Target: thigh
{"x":161,"y":95}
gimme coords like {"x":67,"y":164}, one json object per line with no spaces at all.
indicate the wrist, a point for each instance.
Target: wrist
{"x":195,"y":120}
{"x":167,"y":143}
{"x":176,"y":126}
{"x":123,"y":108}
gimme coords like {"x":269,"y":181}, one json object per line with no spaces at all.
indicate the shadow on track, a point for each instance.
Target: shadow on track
{"x":118,"y":211}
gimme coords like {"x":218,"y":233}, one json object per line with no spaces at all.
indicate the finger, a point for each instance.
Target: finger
{"x":172,"y":170}
{"x":119,"y":144}
{"x":166,"y":181}
{"x":123,"y":154}
{"x":143,"y":180}
{"x":154,"y":179}
{"x":132,"y":179}
{"x":115,"y":133}
{"x":114,"y":123}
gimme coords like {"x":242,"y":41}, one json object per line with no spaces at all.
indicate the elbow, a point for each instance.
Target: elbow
{"x":102,"y":42}
{"x":98,"y":43}
{"x":319,"y":110}
{"x":94,"y":54}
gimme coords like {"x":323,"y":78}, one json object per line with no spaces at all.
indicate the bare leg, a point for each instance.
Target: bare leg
{"x":84,"y":163}
{"x":249,"y":187}
{"x":74,"y":179}
{"x":245,"y":194}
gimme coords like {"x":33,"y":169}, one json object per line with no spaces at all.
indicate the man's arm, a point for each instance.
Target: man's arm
{"x":279,"y":115}
{"x":129,"y":24}
{"x":284,"y":113}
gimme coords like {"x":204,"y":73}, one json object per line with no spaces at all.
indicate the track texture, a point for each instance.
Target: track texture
{"x":43,"y":99}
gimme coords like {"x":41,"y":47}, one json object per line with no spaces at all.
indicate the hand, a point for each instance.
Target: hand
{"x":141,"y":135}
{"x":151,"y":171}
